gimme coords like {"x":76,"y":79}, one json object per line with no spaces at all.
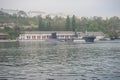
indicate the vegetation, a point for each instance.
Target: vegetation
{"x":12,"y":32}
{"x":73,"y":23}
{"x":110,"y":26}
{"x":68,"y":26}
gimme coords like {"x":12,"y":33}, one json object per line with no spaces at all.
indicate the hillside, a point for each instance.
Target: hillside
{"x":110,"y":26}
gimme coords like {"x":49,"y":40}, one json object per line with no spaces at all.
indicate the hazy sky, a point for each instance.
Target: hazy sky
{"x":104,"y":8}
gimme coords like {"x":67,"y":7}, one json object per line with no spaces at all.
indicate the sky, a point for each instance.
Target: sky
{"x":86,"y":8}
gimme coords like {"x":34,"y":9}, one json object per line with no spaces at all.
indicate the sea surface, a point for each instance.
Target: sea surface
{"x":32,"y":60}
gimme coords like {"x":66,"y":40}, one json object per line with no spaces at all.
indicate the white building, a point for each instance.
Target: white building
{"x":44,"y":35}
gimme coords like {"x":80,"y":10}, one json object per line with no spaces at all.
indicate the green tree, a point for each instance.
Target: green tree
{"x":22,"y":14}
{"x":73,"y":23}
{"x":40,"y":23}
{"x":68,"y":24}
{"x":13,"y":33}
{"x":48,"y":23}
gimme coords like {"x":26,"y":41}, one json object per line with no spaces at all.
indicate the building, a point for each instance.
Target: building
{"x":44,"y":35}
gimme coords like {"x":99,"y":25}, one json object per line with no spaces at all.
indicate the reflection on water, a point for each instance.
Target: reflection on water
{"x":62,"y":61}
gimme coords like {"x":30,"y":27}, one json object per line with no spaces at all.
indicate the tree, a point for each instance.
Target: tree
{"x":22,"y":14}
{"x":40,"y":23}
{"x":74,"y":26}
{"x":13,"y":33}
{"x":73,"y":23}
{"x":48,"y":23}
{"x":68,"y":23}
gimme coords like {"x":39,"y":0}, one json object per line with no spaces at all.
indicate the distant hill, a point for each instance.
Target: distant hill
{"x":110,"y":26}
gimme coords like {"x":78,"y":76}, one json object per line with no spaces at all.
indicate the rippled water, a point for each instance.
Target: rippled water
{"x":59,"y":61}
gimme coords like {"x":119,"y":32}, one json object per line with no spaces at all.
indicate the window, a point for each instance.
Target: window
{"x":38,"y":37}
{"x":33,"y":37}
{"x":28,"y":37}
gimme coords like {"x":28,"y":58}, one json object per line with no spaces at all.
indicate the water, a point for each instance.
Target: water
{"x":59,"y":61}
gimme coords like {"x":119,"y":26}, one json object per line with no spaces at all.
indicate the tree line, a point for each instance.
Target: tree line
{"x":109,"y":26}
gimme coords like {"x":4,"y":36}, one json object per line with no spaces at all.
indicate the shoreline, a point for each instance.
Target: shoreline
{"x":8,"y":40}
